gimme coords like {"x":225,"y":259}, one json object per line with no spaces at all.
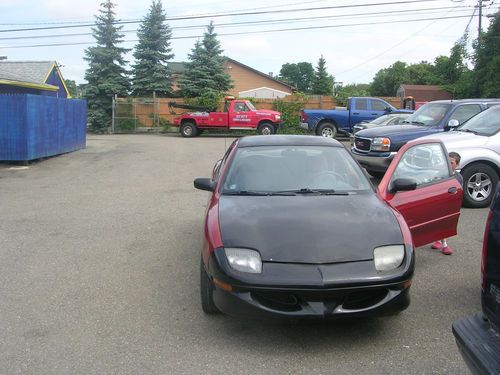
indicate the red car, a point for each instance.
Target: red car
{"x":294,"y":228}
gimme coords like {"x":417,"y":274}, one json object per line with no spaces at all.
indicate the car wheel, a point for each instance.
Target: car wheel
{"x":266,"y":129}
{"x":480,"y":181}
{"x":206,"y":292}
{"x":328,"y":130}
{"x":188,"y":130}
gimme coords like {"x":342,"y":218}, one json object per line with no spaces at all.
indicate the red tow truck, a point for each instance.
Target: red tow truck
{"x":237,"y":115}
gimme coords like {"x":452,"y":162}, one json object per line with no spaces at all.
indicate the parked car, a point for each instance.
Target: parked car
{"x":478,"y":336}
{"x":478,"y":143}
{"x":389,"y":119}
{"x":330,"y":122}
{"x":282,"y":224}
{"x":375,"y":148}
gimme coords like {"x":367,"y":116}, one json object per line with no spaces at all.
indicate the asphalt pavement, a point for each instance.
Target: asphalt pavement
{"x":99,"y":261}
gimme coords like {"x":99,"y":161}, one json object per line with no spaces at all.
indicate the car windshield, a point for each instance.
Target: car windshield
{"x":486,"y":123}
{"x":429,"y":114}
{"x":295,"y":170}
{"x":380,"y":120}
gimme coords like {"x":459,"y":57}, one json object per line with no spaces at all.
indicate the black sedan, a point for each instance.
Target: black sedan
{"x":294,"y":228}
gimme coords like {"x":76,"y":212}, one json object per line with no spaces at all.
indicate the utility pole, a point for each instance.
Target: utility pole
{"x":479,"y":27}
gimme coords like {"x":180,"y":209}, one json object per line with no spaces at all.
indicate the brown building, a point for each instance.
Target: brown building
{"x":423,"y":93}
{"x":248,"y":82}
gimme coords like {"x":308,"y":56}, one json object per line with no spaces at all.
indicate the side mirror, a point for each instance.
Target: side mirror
{"x":388,"y":109}
{"x":403,"y":184}
{"x":204,"y":184}
{"x":453,"y":123}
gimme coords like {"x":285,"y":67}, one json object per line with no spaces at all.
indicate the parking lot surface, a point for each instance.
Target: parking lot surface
{"x":99,"y":267}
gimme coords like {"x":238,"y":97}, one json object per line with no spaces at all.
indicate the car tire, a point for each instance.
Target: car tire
{"x":206,"y":292}
{"x":480,"y":181}
{"x":189,"y":129}
{"x":266,"y":128}
{"x":327,"y":130}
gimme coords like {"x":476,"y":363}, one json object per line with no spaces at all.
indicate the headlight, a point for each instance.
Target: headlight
{"x":244,"y":260}
{"x":387,"y":258}
{"x":277,"y":117}
{"x":381,"y":144}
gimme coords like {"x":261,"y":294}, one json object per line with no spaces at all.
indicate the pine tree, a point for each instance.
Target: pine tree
{"x":205,"y":70}
{"x":323,"y":82}
{"x":106,"y":75}
{"x":152,"y":53}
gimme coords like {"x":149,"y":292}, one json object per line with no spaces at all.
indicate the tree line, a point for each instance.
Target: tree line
{"x":204,"y":76}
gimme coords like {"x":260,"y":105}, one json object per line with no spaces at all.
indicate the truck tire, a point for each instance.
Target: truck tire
{"x":480,"y":181}
{"x":266,"y":128}
{"x":327,"y":129}
{"x":206,"y":292}
{"x":188,"y":129}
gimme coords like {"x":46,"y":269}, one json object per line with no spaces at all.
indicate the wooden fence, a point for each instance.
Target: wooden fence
{"x":131,"y":114}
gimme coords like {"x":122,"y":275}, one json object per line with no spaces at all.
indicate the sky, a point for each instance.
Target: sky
{"x":357,"y":38}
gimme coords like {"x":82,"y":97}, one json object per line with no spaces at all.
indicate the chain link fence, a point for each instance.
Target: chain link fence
{"x":136,"y":115}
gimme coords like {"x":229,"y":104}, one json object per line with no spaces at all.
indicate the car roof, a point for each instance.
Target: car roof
{"x":287,"y":140}
{"x":460,"y":101}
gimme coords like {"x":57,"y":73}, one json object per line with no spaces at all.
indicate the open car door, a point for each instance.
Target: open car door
{"x":420,"y":185}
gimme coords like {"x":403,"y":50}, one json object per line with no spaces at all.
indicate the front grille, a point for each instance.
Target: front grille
{"x":362,"y":144}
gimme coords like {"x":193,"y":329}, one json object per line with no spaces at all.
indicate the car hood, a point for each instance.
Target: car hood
{"x":308,"y":229}
{"x":267,"y":112}
{"x":458,"y":139}
{"x":395,"y":130}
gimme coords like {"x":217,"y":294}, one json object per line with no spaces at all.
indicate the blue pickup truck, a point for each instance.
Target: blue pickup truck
{"x":330,"y":122}
{"x":375,"y":148}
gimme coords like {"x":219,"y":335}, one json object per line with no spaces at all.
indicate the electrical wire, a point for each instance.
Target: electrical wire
{"x":230,"y":14}
{"x":250,"y":32}
{"x":261,"y":22}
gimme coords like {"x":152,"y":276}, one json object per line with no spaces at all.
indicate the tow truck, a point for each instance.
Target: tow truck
{"x":238,"y":114}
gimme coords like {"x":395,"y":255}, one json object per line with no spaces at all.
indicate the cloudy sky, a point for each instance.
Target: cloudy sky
{"x":356,"y":37}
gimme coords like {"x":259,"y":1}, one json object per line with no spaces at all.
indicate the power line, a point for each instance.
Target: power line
{"x":251,"y":32}
{"x":229,"y":15}
{"x":261,"y":22}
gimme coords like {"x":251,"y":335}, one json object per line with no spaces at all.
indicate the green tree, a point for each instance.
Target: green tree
{"x":323,"y":82}
{"x":205,"y":69}
{"x":106,"y":74}
{"x":300,"y":75}
{"x":344,"y":92}
{"x":486,"y":74}
{"x":387,"y":81}
{"x":72,"y":87}
{"x":152,"y":53}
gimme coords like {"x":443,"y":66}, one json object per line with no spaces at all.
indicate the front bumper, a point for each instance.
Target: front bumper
{"x":373,"y":161}
{"x":478,"y":343}
{"x":300,"y":291}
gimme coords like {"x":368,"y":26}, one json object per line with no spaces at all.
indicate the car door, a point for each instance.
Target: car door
{"x":360,"y":111}
{"x":432,"y":207}
{"x":242,"y":117}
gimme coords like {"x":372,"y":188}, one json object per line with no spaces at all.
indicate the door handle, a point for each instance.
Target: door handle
{"x":355,"y":113}
{"x":374,"y":114}
{"x":452,"y":190}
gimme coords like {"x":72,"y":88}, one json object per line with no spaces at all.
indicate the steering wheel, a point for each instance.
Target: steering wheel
{"x":326,"y":179}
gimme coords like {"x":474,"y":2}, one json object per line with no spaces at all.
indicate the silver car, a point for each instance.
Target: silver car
{"x":478,"y":143}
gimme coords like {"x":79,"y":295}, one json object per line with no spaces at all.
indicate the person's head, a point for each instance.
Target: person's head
{"x":454,"y":160}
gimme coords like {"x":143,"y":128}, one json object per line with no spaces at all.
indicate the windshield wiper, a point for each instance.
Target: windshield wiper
{"x":257,"y":193}
{"x":467,"y":131}
{"x":316,"y":191}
